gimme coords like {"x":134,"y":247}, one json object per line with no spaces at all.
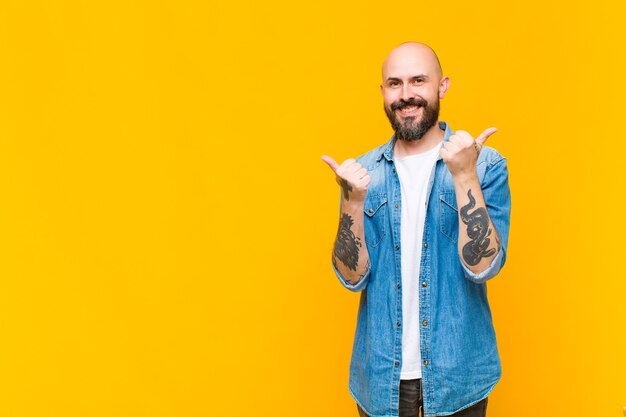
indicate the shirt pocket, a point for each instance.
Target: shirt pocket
{"x":375,"y":209}
{"x":449,"y":215}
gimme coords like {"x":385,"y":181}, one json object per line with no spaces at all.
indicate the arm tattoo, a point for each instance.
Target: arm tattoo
{"x":478,"y":231}
{"x":367,"y":266}
{"x":347,"y":245}
{"x":346,"y":187}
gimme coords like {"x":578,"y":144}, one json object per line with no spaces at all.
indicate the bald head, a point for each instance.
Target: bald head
{"x":412,"y":54}
{"x":412,"y":86}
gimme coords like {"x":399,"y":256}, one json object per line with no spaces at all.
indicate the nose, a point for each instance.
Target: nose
{"x":407,"y":93}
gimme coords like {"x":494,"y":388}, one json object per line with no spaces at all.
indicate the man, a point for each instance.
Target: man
{"x":424,"y":222}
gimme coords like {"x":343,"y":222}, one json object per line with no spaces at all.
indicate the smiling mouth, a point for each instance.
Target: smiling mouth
{"x":409,"y":110}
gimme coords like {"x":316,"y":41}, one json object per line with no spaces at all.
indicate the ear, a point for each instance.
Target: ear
{"x":381,"y":89}
{"x":444,"y":84}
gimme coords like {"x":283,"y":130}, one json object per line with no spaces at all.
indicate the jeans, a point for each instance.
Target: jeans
{"x":411,"y":402}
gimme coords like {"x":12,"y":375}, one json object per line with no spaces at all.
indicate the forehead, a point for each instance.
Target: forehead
{"x":408,"y":62}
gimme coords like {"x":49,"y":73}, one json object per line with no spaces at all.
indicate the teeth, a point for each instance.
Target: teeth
{"x":409,"y":109}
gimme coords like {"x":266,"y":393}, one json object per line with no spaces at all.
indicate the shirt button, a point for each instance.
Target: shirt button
{"x":398,"y":324}
{"x":426,"y":363}
{"x":393,"y":170}
{"x":424,"y":283}
{"x":398,"y":286}
{"x":396,"y":206}
{"x":371,"y":210}
{"x":424,"y":323}
{"x":426,"y":245}
{"x":396,"y":363}
{"x":397,"y":247}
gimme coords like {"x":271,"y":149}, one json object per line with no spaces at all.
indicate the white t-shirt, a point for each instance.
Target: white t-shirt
{"x":414,"y":173}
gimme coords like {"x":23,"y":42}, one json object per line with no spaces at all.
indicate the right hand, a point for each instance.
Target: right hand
{"x":352,"y":178}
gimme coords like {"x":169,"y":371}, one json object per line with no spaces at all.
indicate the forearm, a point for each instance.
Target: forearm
{"x":350,"y":255}
{"x":478,"y":241}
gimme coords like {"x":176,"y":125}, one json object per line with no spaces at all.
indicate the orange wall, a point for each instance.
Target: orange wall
{"x":166,"y":221}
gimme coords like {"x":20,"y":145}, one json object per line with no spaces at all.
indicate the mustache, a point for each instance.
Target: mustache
{"x":420,"y":102}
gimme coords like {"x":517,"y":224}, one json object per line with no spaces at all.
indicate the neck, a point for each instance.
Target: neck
{"x":431,"y":138}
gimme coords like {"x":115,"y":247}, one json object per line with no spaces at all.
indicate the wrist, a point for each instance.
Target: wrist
{"x":353,"y":204}
{"x":465,"y":179}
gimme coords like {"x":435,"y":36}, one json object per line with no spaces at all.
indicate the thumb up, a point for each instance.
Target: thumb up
{"x":351,"y":176}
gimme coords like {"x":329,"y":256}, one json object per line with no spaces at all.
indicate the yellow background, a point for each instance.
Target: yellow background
{"x":166,"y":221}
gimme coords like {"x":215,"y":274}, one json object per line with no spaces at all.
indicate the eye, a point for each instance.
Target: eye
{"x":393,"y":83}
{"x":418,"y":80}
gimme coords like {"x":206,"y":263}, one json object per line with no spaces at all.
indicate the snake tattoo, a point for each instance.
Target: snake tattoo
{"x":478,"y":231}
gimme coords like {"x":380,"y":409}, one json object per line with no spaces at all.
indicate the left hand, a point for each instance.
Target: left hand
{"x":460,"y":154}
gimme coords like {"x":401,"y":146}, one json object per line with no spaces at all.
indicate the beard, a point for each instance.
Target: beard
{"x":412,"y":130}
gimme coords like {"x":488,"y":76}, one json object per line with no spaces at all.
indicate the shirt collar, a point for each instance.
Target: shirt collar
{"x":387,"y":150}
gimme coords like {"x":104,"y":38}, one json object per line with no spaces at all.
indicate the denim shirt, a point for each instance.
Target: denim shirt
{"x":457,"y":340}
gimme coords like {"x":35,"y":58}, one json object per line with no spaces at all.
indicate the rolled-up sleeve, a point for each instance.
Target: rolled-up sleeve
{"x":497,"y":195}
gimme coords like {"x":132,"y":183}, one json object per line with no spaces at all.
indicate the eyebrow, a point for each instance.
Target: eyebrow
{"x":424,"y":76}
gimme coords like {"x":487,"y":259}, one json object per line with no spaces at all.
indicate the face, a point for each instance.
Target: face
{"x":411,"y":90}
